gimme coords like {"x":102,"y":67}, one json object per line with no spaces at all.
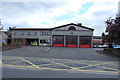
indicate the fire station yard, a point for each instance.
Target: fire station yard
{"x":107,"y":67}
{"x":60,"y":59}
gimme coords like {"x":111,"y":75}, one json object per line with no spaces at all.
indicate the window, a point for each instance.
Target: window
{"x":48,"y":33}
{"x":44,"y":41}
{"x":18,"y":40}
{"x":35,"y":33}
{"x":28,"y":33}
{"x":15,"y":32}
{"x":45,"y":33}
{"x":22,"y":33}
{"x":72,"y":28}
{"x":41,"y":33}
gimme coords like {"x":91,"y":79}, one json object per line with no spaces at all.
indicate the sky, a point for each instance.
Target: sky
{"x":53,"y":13}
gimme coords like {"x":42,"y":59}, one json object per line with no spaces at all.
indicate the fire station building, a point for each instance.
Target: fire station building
{"x":69,"y":35}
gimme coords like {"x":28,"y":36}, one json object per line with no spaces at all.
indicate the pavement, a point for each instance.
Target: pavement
{"x":72,"y":60}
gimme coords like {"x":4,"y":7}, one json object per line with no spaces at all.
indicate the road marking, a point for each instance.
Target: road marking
{"x":44,"y":64}
{"x":47,"y":49}
{"x":72,"y":60}
{"x":29,"y":62}
{"x":18,"y":66}
{"x":13,"y":62}
{"x":57,"y":63}
{"x":52,"y":62}
{"x":62,"y":69}
{"x":107,"y":68}
{"x":119,"y":71}
{"x":93,"y":65}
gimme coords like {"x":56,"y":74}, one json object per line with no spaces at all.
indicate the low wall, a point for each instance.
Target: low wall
{"x":9,"y":47}
{"x":112,"y":51}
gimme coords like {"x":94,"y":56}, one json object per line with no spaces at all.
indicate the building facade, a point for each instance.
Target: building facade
{"x":97,"y":41}
{"x":3,"y":38}
{"x":69,"y":35}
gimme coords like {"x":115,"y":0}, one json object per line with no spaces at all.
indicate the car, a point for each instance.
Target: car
{"x":116,"y":46}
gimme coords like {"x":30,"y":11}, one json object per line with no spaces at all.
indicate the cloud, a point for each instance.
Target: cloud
{"x":43,"y":13}
{"x":97,"y":14}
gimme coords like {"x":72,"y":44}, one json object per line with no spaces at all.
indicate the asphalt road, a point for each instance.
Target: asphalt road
{"x":16,"y":63}
{"x":59,"y":52}
{"x":31,"y":73}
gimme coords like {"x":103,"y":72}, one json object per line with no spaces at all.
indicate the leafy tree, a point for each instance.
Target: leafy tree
{"x":9,"y":29}
{"x":113,"y":30}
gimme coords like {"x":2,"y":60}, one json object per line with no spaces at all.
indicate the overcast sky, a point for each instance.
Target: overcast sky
{"x":53,"y":13}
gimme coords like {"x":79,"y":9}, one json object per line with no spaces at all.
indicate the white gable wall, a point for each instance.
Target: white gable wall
{"x":67,"y":27}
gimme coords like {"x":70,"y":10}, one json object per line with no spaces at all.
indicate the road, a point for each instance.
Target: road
{"x":57,"y":62}
{"x":31,"y":73}
{"x":58,"y":52}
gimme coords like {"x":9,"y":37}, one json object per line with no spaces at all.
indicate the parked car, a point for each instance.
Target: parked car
{"x":100,"y":46}
{"x":116,"y":46}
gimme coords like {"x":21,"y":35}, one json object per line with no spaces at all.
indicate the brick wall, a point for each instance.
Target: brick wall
{"x":9,"y":47}
{"x":22,"y":43}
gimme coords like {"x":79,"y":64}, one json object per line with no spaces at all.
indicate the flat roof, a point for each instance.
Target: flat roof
{"x":31,"y":29}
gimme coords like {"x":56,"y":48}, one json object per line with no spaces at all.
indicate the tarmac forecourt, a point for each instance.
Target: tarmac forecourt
{"x":61,"y":64}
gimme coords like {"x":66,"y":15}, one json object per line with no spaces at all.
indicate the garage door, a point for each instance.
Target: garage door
{"x":71,"y":41}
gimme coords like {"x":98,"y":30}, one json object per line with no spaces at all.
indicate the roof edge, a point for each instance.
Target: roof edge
{"x":52,"y":28}
{"x":75,"y":25}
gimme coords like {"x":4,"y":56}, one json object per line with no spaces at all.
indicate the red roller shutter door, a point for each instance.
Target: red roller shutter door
{"x":58,"y":41}
{"x":71,"y":41}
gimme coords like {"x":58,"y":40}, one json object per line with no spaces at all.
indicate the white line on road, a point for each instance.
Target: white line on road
{"x":47,"y":49}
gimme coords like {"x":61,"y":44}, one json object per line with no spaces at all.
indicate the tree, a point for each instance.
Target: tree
{"x":113,"y":30}
{"x":103,"y":37}
{"x":9,"y":29}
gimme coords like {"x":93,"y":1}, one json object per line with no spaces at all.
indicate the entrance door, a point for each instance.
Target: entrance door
{"x":71,"y":41}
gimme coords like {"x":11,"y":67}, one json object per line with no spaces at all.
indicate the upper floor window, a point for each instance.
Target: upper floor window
{"x":35,"y":33}
{"x":21,"y":33}
{"x":45,"y":33}
{"x":72,"y":28}
{"x":15,"y":32}
{"x":48,"y":33}
{"x":28,"y":33}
